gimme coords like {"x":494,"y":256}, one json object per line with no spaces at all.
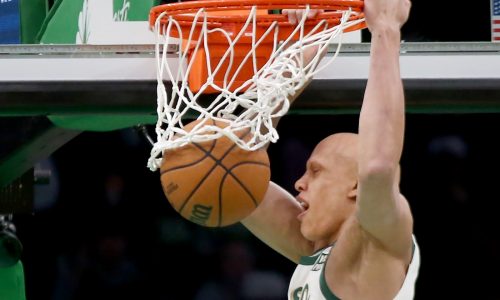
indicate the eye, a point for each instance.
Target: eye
{"x":315,"y":170}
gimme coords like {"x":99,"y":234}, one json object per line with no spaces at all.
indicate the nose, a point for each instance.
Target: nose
{"x":300,"y":184}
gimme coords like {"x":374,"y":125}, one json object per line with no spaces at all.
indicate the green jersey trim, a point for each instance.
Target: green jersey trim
{"x":325,"y":290}
{"x":310,"y":260}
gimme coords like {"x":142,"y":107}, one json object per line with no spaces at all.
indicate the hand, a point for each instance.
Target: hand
{"x":386,"y":14}
{"x":295,"y":15}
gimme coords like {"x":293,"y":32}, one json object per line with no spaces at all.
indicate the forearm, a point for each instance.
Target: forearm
{"x":381,"y":129}
{"x":381,"y":124}
{"x":381,"y":210}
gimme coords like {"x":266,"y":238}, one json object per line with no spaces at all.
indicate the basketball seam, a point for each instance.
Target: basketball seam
{"x":190,"y":164}
{"x":219,"y":163}
{"x":196,"y":188}
{"x":207,"y":154}
{"x":239,"y":182}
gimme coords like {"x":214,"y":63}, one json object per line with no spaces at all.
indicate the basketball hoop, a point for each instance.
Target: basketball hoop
{"x":251,"y":59}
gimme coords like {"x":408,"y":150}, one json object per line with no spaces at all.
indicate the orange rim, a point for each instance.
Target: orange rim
{"x":184,"y":13}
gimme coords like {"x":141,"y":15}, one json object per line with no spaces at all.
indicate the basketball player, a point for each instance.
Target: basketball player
{"x":349,"y":228}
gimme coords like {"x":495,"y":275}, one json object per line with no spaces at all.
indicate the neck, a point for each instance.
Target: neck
{"x":318,"y":245}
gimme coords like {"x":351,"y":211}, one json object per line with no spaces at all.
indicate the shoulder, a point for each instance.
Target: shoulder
{"x":359,"y":260}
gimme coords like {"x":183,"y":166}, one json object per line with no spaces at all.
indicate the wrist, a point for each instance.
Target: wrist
{"x":386,"y":31}
{"x":385,"y":41}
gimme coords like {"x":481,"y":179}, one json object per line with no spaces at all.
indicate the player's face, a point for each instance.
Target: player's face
{"x":324,"y":189}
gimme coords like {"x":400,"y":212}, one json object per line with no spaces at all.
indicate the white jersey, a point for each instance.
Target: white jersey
{"x":308,"y":281}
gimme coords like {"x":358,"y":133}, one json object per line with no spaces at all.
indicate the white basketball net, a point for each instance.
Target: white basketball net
{"x":266,"y":95}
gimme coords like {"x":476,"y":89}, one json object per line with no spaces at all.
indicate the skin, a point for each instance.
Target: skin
{"x":349,"y":194}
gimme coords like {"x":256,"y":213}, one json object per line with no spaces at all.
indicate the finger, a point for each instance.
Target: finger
{"x":299,"y":13}
{"x":292,"y":17}
{"x":314,"y":12}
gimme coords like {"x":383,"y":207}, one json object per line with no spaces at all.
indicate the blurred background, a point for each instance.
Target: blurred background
{"x":105,"y":229}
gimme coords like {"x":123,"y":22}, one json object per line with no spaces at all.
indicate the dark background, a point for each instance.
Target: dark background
{"x":112,"y":234}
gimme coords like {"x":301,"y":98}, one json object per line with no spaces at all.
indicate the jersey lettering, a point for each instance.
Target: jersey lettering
{"x":319,"y":263}
{"x":301,"y":293}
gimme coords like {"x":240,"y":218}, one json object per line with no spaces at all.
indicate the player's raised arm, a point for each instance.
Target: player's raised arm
{"x":381,"y":210}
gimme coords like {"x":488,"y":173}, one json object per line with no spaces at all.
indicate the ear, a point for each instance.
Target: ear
{"x":353,"y":193}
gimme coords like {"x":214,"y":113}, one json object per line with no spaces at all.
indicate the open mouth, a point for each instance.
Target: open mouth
{"x":305,"y":206}
{"x":302,"y":202}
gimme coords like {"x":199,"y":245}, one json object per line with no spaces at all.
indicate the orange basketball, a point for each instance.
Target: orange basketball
{"x":214,"y":183}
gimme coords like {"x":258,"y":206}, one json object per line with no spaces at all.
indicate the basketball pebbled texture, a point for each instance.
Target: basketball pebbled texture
{"x":214,"y":183}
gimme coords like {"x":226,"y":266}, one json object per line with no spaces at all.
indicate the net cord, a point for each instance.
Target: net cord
{"x":252,"y":106}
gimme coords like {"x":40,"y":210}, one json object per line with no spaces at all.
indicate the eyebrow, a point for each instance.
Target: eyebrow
{"x":312,"y":163}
